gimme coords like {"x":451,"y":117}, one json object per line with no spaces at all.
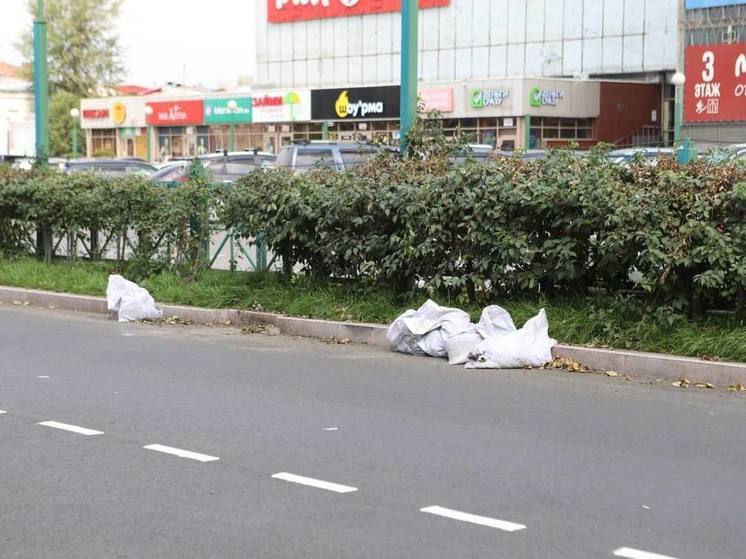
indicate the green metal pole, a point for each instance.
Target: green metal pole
{"x":75,"y":138}
{"x":232,"y":138}
{"x":41,"y":85}
{"x":527,"y":132}
{"x":408,"y":99}
{"x":325,"y":130}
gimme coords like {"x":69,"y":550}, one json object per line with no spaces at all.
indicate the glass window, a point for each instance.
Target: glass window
{"x":103,"y":142}
{"x":567,"y":133}
{"x":307,"y":160}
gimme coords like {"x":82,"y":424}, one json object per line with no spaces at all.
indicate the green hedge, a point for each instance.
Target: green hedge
{"x":564,"y":224}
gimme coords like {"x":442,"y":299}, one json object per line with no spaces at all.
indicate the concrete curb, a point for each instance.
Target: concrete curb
{"x":669,"y":367}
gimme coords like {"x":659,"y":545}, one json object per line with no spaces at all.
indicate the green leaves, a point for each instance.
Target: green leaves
{"x":481,"y":231}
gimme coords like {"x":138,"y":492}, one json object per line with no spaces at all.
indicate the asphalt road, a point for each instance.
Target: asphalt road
{"x":554,"y":465}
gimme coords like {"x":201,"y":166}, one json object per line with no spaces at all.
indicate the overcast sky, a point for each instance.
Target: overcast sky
{"x":211,"y":42}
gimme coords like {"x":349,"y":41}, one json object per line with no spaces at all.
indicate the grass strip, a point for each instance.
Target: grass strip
{"x":594,"y":321}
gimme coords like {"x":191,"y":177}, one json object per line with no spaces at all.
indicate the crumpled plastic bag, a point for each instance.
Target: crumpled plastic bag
{"x":130,"y":301}
{"x":529,"y":346}
{"x":494,"y":342}
{"x":427,"y":329}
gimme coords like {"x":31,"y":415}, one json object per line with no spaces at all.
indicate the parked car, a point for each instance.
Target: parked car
{"x":650,"y":155}
{"x":221,"y":167}
{"x":109,"y":167}
{"x":526,"y":155}
{"x":473,"y":152}
{"x":26,"y":163}
{"x":727,"y":154}
{"x":304,"y":156}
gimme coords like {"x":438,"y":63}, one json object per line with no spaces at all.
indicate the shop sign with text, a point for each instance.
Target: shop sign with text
{"x":176,"y":113}
{"x":94,"y":114}
{"x":280,"y":11}
{"x":485,"y":98}
{"x":715,"y":87}
{"x":355,"y":103}
{"x":217,"y":111}
{"x":437,"y":99}
{"x":538,"y":97}
{"x":281,"y":106}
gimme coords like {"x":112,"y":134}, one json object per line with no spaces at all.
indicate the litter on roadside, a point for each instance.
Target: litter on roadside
{"x":130,"y":301}
{"x":493,"y":343}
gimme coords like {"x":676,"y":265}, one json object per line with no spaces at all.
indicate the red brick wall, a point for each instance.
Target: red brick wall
{"x":625,"y":108}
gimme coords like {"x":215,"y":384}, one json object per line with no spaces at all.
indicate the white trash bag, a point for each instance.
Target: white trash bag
{"x":130,"y":301}
{"x":493,"y":343}
{"x":427,"y":329}
{"x":530,"y":346}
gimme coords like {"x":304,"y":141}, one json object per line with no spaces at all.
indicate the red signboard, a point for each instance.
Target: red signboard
{"x":715,"y":88}
{"x":176,"y":113}
{"x":95,"y":113}
{"x":279,"y":11}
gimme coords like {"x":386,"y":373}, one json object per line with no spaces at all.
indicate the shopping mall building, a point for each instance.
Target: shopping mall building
{"x":511,"y":73}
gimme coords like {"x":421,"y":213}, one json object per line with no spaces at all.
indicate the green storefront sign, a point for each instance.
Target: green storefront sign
{"x":217,"y":111}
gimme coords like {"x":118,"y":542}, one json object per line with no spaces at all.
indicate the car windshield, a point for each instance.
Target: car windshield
{"x":352,"y":157}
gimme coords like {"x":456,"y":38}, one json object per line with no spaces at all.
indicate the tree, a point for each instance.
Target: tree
{"x":83,"y":51}
{"x":61,"y":125}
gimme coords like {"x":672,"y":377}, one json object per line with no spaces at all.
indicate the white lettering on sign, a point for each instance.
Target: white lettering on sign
{"x":707,"y":90}
{"x":280,"y":4}
{"x":363,"y":109}
{"x":740,"y":65}
{"x":174,"y":114}
{"x":709,"y":72}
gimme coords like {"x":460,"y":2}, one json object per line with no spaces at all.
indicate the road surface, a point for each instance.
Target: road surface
{"x":136,"y":441}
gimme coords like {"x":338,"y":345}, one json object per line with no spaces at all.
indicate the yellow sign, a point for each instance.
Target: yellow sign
{"x":118,"y":112}
{"x":340,"y":106}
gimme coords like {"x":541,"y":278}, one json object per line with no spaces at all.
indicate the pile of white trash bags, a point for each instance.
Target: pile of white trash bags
{"x":130,"y":301}
{"x":493,"y":343}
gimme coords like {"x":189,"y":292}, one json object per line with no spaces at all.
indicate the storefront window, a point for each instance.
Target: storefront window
{"x":171,"y":142}
{"x":103,"y":142}
{"x":552,"y":128}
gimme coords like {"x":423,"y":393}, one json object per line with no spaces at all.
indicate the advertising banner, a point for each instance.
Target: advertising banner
{"x":280,"y":11}
{"x":355,"y":103}
{"x":437,"y":99}
{"x":715,"y":88}
{"x":218,"y":112}
{"x":176,"y":113}
{"x":281,"y":106}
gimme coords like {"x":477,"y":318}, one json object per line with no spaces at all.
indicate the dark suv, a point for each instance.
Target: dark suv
{"x":302,"y":157}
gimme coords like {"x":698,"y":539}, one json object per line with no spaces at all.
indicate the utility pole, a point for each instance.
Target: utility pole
{"x":408,"y":95}
{"x":41,"y":85}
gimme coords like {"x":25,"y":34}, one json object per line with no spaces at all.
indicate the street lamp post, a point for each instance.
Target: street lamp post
{"x":75,"y":114}
{"x":678,"y":80}
{"x":683,"y":148}
{"x":148,"y":131}
{"x":232,"y":107}
{"x":408,"y":94}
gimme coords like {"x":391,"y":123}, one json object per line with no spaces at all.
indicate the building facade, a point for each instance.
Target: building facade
{"x":566,"y":49}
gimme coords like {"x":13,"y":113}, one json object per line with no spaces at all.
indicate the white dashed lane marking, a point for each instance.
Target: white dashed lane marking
{"x":474,"y":519}
{"x":43,"y":376}
{"x":630,"y":553}
{"x":182,"y":453}
{"x":311,"y":482}
{"x":71,"y":428}
{"x":2,"y":412}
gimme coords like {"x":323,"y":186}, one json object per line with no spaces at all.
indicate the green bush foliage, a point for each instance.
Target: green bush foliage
{"x":562,"y":225}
